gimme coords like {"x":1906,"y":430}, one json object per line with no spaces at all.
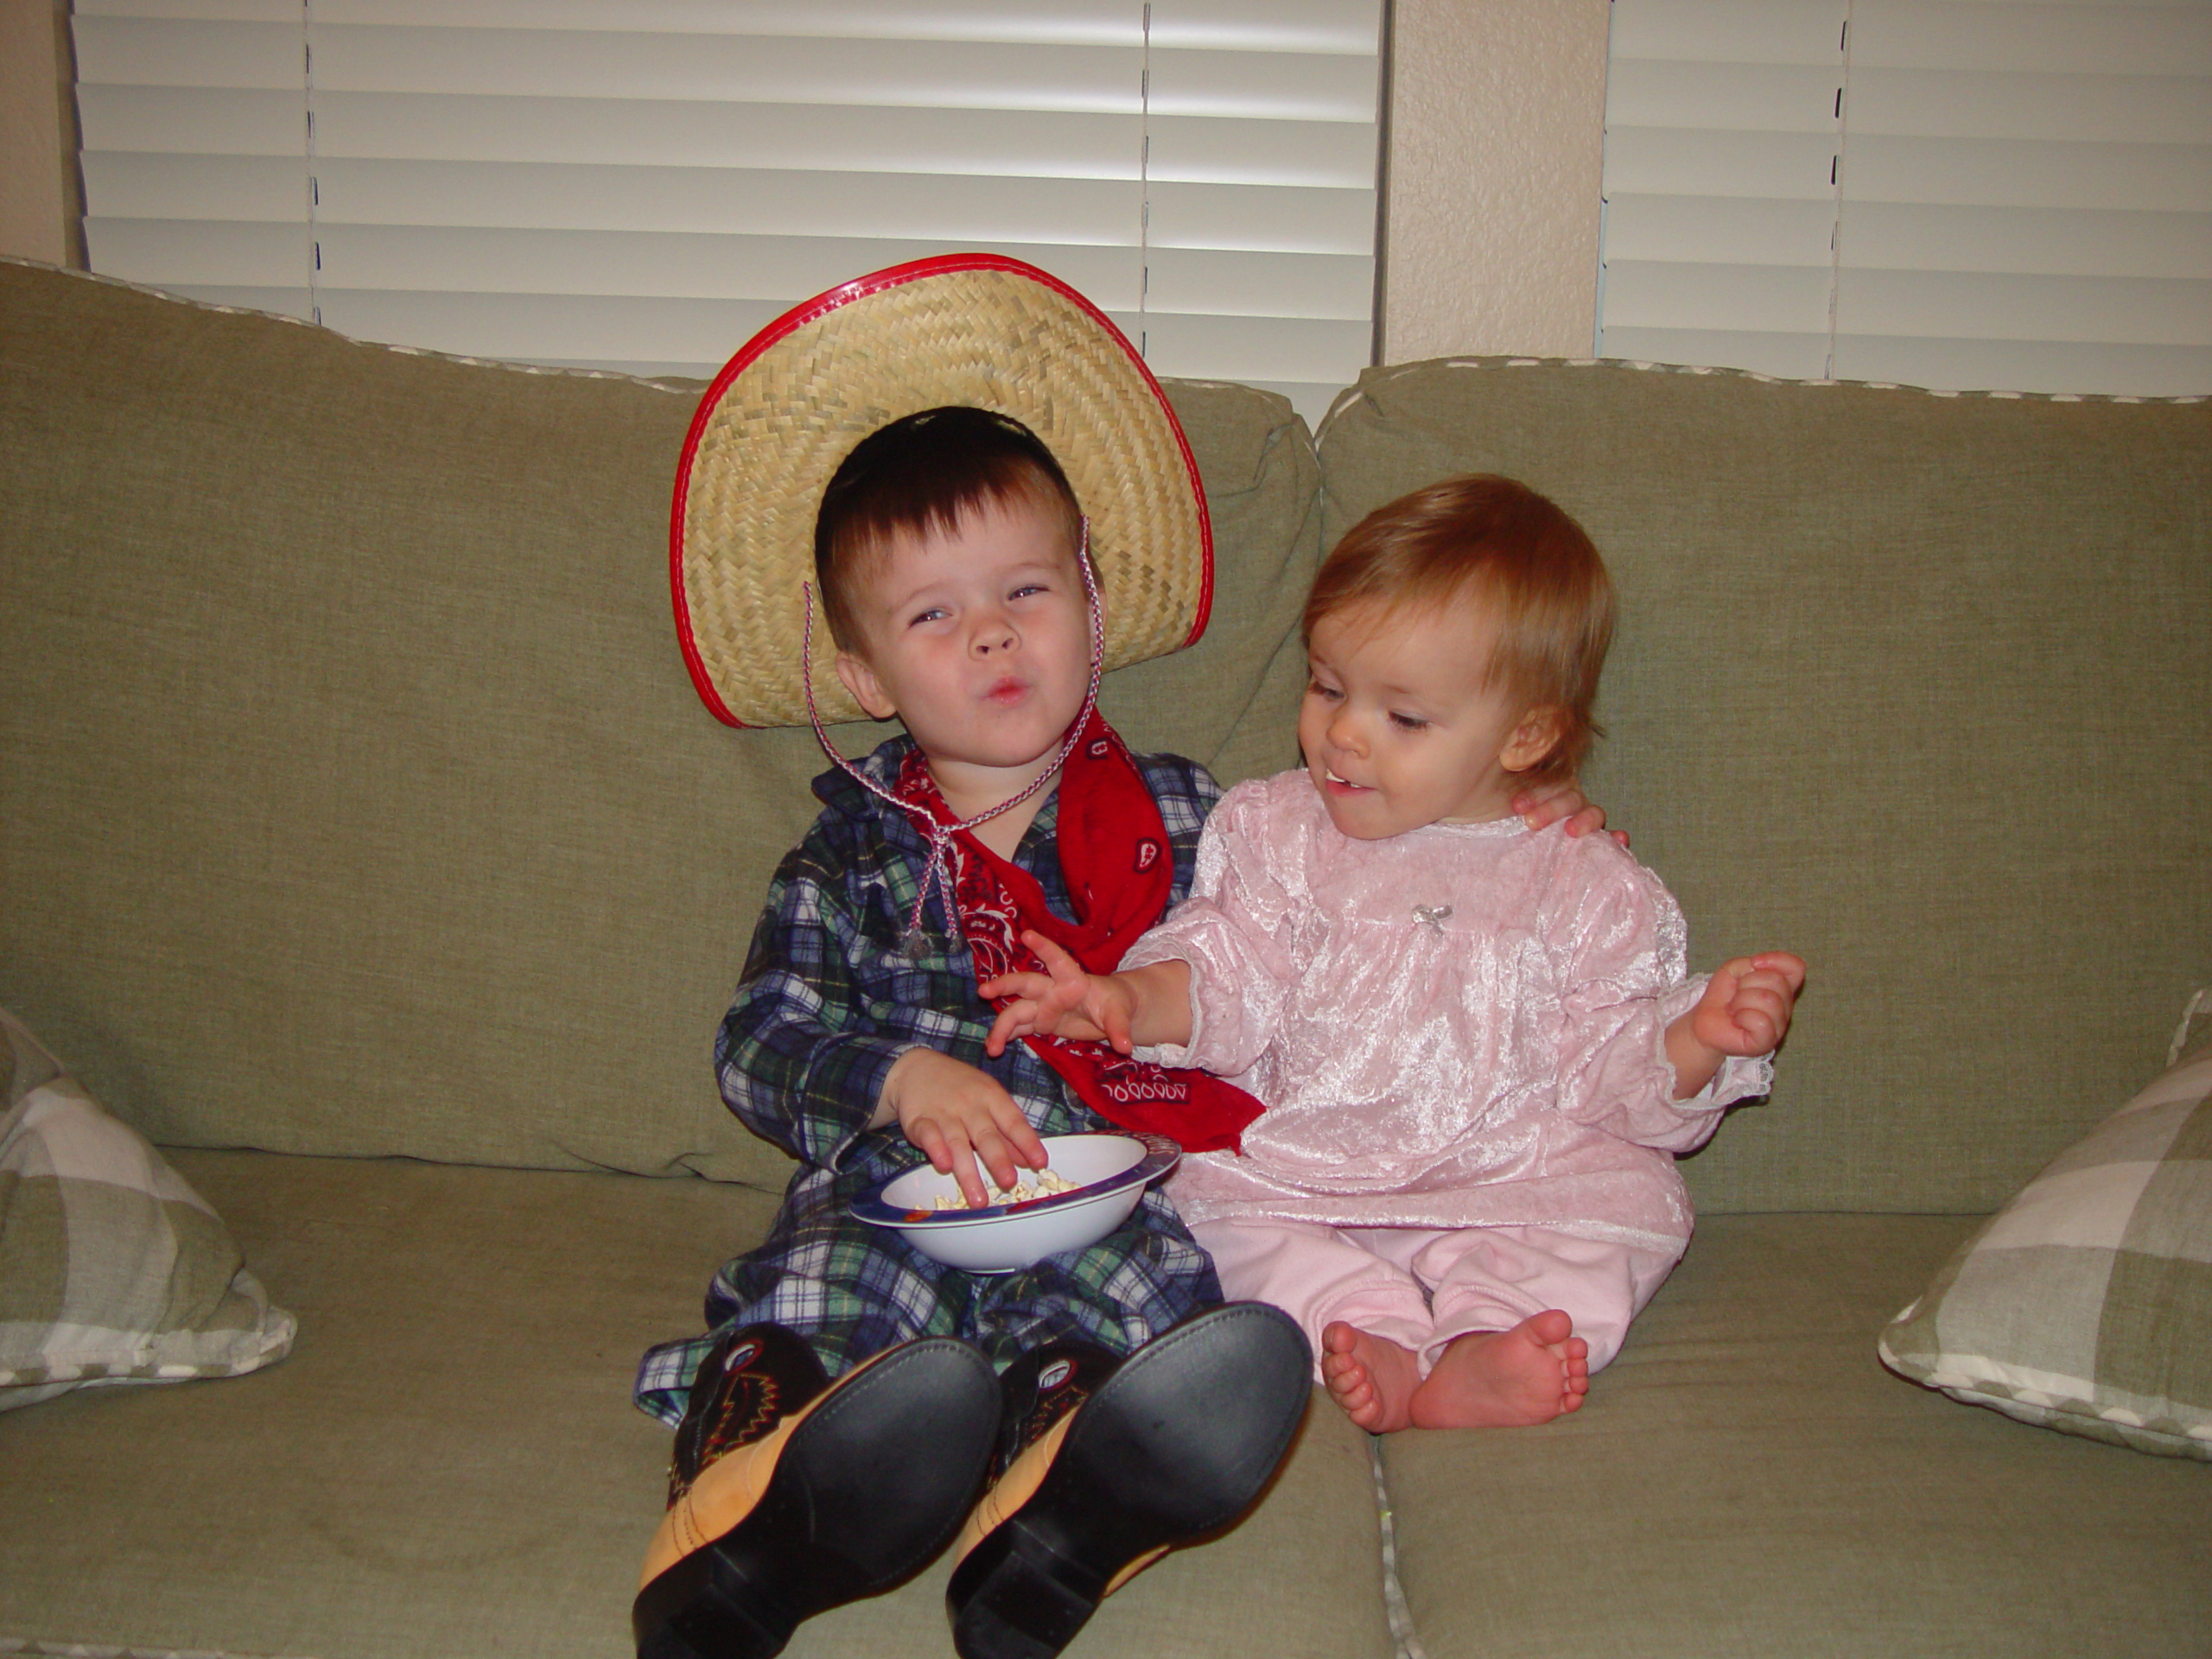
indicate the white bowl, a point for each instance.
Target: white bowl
{"x":1110,"y":1171}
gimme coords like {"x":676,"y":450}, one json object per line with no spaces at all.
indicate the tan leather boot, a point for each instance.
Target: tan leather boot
{"x":1120,"y":1463}
{"x":789,"y":1494}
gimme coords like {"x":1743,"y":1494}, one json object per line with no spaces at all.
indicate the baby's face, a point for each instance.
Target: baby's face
{"x":1398,"y":728}
{"x":980,"y":640}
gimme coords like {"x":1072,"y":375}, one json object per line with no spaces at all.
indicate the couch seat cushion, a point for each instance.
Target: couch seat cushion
{"x":449,"y":1463}
{"x":1746,"y":1479}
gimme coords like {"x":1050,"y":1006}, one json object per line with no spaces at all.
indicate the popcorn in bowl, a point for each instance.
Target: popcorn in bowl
{"x":1042,"y":1184}
{"x":1089,"y":1185}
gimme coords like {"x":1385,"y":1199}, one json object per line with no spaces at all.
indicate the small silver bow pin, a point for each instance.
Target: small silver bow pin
{"x":1433,"y":915}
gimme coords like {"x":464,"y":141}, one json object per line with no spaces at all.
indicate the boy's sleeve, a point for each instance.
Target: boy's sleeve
{"x":1628,"y":946}
{"x":797,"y":1059}
{"x":1186,"y":795}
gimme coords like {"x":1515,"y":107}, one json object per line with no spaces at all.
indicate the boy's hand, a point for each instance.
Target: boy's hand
{"x":1062,"y":1002}
{"x":1746,"y":1006}
{"x":1547,"y":803}
{"x":958,"y":1115}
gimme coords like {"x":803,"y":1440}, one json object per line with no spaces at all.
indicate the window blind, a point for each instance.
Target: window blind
{"x":1968,"y":194}
{"x":641,"y":184}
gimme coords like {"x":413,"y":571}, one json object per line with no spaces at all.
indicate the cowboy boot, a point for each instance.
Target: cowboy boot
{"x":790,"y":1494}
{"x":1113,"y":1465}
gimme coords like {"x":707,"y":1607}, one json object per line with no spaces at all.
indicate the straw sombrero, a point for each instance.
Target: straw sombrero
{"x":964,"y":328}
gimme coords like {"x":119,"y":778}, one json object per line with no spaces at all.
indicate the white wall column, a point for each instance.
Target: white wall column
{"x":36,"y":209}
{"x":1496,"y":135}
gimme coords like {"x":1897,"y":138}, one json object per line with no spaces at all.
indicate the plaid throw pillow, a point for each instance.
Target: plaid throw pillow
{"x":2086,"y":1304}
{"x":111,"y":1269}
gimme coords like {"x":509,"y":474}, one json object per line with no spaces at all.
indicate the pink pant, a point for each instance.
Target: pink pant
{"x":1421,"y":1288}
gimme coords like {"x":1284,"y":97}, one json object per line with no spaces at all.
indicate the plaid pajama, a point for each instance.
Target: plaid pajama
{"x":827,"y":1002}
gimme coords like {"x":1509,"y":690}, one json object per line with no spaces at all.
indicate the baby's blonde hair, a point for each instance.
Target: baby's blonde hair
{"x":1500,"y":543}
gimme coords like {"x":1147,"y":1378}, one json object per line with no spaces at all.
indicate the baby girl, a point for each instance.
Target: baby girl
{"x":1477,"y":1044}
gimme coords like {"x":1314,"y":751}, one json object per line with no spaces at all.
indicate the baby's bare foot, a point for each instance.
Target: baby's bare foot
{"x":1371,"y":1376}
{"x":1538,"y":1371}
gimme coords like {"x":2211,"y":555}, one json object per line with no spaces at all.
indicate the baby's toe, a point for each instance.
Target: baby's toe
{"x":1552,"y":1326}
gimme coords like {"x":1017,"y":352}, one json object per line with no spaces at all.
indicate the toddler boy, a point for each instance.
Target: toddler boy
{"x":835,"y":1424}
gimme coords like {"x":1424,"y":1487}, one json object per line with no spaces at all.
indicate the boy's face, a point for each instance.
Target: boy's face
{"x":1399,"y":729}
{"x":979,"y":640}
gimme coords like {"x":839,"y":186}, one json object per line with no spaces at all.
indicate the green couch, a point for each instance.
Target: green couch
{"x":364,"y":846}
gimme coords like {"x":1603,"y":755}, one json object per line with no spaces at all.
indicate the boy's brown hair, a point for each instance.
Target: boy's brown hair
{"x":923,"y":473}
{"x":1497,"y":541}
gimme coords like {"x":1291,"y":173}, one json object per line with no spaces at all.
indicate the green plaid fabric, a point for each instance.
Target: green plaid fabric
{"x":2086,"y":1303}
{"x":111,"y":1269}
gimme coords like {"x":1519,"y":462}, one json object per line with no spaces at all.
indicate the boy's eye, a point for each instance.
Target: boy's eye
{"x":1027,"y":589}
{"x":1315,"y":688}
{"x":930,"y":615}
{"x":1409,"y":723}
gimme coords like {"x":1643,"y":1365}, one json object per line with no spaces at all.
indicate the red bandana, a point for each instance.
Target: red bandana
{"x":1114,"y":856}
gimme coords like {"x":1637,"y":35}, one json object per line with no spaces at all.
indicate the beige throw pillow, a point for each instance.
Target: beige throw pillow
{"x":2086,"y":1303}
{"x":111,"y":1269}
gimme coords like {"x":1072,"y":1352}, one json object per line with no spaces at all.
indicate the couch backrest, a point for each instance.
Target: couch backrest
{"x":1918,"y":685}
{"x":352,"y":796}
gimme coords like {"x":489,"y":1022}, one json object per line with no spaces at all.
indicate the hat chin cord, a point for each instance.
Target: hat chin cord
{"x":938,"y":872}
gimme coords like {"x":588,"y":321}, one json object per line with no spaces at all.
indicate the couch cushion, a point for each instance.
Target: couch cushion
{"x":1746,"y":1480}
{"x":354,"y":798}
{"x":1232,"y":700}
{"x":1911,"y":685}
{"x":449,"y":1463}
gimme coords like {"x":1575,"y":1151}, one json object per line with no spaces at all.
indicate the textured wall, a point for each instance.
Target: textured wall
{"x":34,"y":212}
{"x":1498,"y":111}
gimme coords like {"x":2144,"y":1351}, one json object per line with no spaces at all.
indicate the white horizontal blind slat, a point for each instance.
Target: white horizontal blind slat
{"x":663,"y":162}
{"x":191,"y":120}
{"x":473,"y":258}
{"x":875,"y":74}
{"x":2050,"y":241}
{"x":2026,"y":191}
{"x":1981,"y":305}
{"x":1274,"y":25}
{"x":935,"y":207}
{"x":194,"y":252}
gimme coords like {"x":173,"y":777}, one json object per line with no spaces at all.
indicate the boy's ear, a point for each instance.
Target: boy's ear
{"x":857,"y":677}
{"x":1535,"y":738}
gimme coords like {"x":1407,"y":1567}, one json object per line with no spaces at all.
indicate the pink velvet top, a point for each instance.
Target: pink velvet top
{"x":1459,"y":1026}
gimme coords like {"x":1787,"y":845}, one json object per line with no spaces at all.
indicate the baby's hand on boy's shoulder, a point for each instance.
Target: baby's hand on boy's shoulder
{"x":1747,"y":1003}
{"x":1062,"y":1002}
{"x":1544,"y":804}
{"x":957,"y":1114}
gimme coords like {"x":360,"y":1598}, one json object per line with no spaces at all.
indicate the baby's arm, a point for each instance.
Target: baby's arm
{"x":1149,"y":1005}
{"x":1627,"y":985}
{"x":1744,"y":1011}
